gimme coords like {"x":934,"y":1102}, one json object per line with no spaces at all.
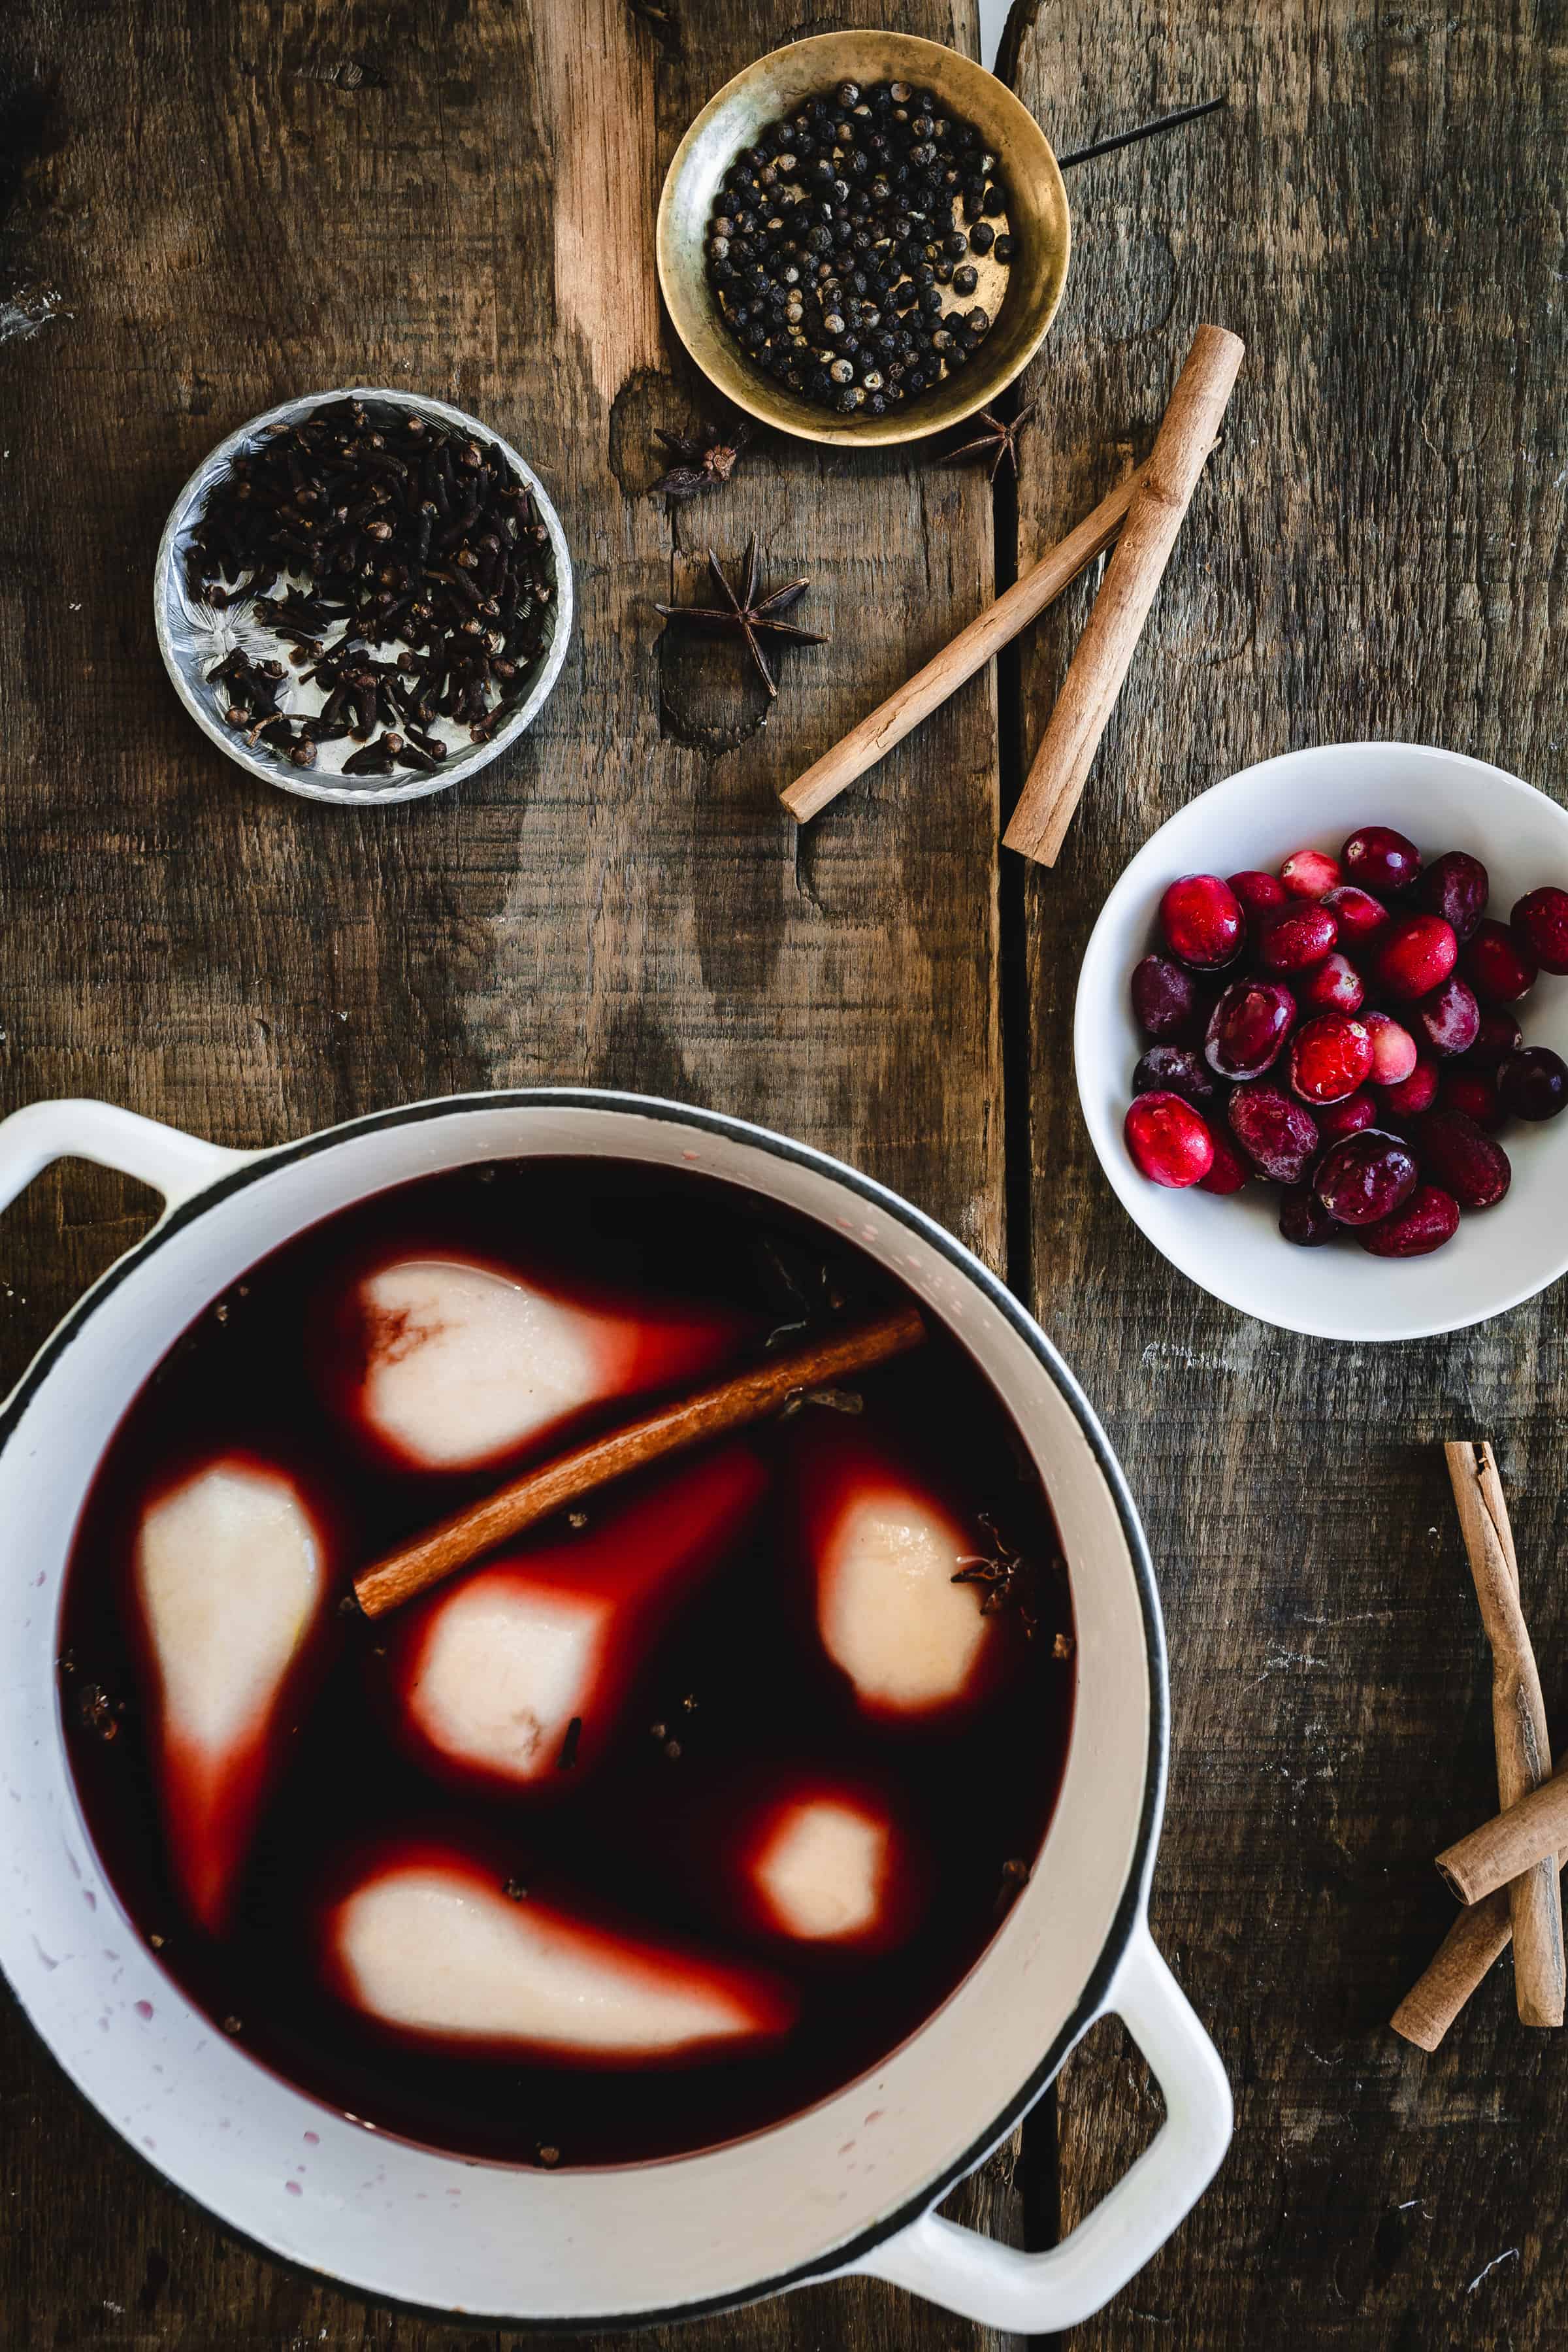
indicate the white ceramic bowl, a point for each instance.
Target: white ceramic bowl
{"x":1442,"y":800}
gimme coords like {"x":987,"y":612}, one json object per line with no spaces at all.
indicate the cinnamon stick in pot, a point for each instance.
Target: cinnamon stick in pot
{"x":1519,"y":1726}
{"x":736,"y":1404}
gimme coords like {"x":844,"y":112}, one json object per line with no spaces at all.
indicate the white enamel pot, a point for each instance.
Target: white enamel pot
{"x":846,"y":2187}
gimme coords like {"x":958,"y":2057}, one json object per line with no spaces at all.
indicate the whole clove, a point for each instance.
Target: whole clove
{"x":405,"y":566}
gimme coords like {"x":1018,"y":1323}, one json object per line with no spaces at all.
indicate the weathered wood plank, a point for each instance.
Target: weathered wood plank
{"x":205,"y":211}
{"x":1377,"y":553}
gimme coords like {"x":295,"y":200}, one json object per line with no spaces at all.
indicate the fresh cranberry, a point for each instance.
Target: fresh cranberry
{"x":1429,"y":1218}
{"x":1177,"y":1070}
{"x":1330,"y":1058}
{"x":1449,"y":1018}
{"x":1381,"y":859}
{"x":1261,"y":894}
{"x":1471,"y":1165}
{"x":1297,"y":938}
{"x":1336,"y":1120}
{"x":1203,"y":922}
{"x":1164,"y":999}
{"x":1277,"y":1136}
{"x":1414,"y":1093}
{"x":1228,"y":1171}
{"x":1303,"y":1218}
{"x":1363,"y":919}
{"x":1169,"y":1140}
{"x":1496,"y":966}
{"x":1498,"y":1036}
{"x":1248,"y":1027}
{"x":1475,"y":1093}
{"x":1417,"y":956}
{"x":1308,"y":874}
{"x":1393,"y":1049}
{"x":1455,"y":885}
{"x":1335,"y":986}
{"x":1533,"y":1084}
{"x":1540,"y":926}
{"x":1366,"y":1177}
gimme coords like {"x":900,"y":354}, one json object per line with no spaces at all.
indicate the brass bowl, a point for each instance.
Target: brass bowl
{"x":775,"y":85}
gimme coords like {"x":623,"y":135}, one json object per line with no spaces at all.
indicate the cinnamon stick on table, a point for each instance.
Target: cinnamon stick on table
{"x":1518,"y":1725}
{"x":1477,"y":1937}
{"x":968,"y":652}
{"x":732,"y":1404}
{"x":1093,"y":682}
{"x":1519,"y":1840}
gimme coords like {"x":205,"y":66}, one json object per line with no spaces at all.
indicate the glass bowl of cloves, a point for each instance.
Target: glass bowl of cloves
{"x":863,"y":237}
{"x":363,"y":595}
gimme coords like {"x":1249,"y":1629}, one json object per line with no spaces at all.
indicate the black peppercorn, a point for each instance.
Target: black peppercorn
{"x":996,"y":200}
{"x":848,"y":94}
{"x":965,"y":280}
{"x":1003,"y":248}
{"x":982,"y":237}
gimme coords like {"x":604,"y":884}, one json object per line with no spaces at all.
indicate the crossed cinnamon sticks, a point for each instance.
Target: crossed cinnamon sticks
{"x":1147,"y":512}
{"x":1507,"y":1871}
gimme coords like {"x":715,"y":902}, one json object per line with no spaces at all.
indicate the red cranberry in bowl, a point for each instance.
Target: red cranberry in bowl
{"x":1165,"y":1000}
{"x":1393,"y":1050}
{"x":1363,"y":919}
{"x":1471,"y":1165}
{"x":1297,"y":938}
{"x":1429,"y":1218}
{"x":1203,"y":922}
{"x":1304,"y":1220}
{"x":1417,"y":956}
{"x":1169,"y":1140}
{"x":1330,"y":1056}
{"x":1456,"y":887}
{"x":1474,"y":1092}
{"x":1228,"y":1171}
{"x":1335,"y":986}
{"x":1278,"y":1135}
{"x":1336,"y":1120}
{"x":1533,"y":1084}
{"x":1414,"y":1093}
{"x":1366,"y":1177}
{"x":1308,"y":874}
{"x":1248,"y":1027}
{"x":1450,"y":1019}
{"x":1380,"y":860}
{"x":1175,"y":1069}
{"x":1497,"y":968}
{"x":1261,"y":894}
{"x":1539,"y":923}
{"x":1497,"y":1035}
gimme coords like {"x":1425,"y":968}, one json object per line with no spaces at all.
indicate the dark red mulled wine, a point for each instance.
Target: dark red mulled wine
{"x":656,"y":1825}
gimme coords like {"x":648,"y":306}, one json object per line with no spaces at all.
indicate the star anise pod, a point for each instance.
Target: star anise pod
{"x":1007,"y":1579}
{"x":708,"y":458}
{"x":1000,"y":441}
{"x":750,"y":615}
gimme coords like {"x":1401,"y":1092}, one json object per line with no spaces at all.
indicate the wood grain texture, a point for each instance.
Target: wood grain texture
{"x":1377,"y":551}
{"x":202,"y":211}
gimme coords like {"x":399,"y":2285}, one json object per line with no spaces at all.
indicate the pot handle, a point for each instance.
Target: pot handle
{"x":1033,"y":2295}
{"x":172,"y":1162}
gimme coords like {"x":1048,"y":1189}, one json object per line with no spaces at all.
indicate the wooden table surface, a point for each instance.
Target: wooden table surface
{"x":204,"y":209}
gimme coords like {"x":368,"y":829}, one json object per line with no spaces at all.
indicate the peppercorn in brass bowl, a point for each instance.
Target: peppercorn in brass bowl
{"x":195,"y":636}
{"x":778,"y":85}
